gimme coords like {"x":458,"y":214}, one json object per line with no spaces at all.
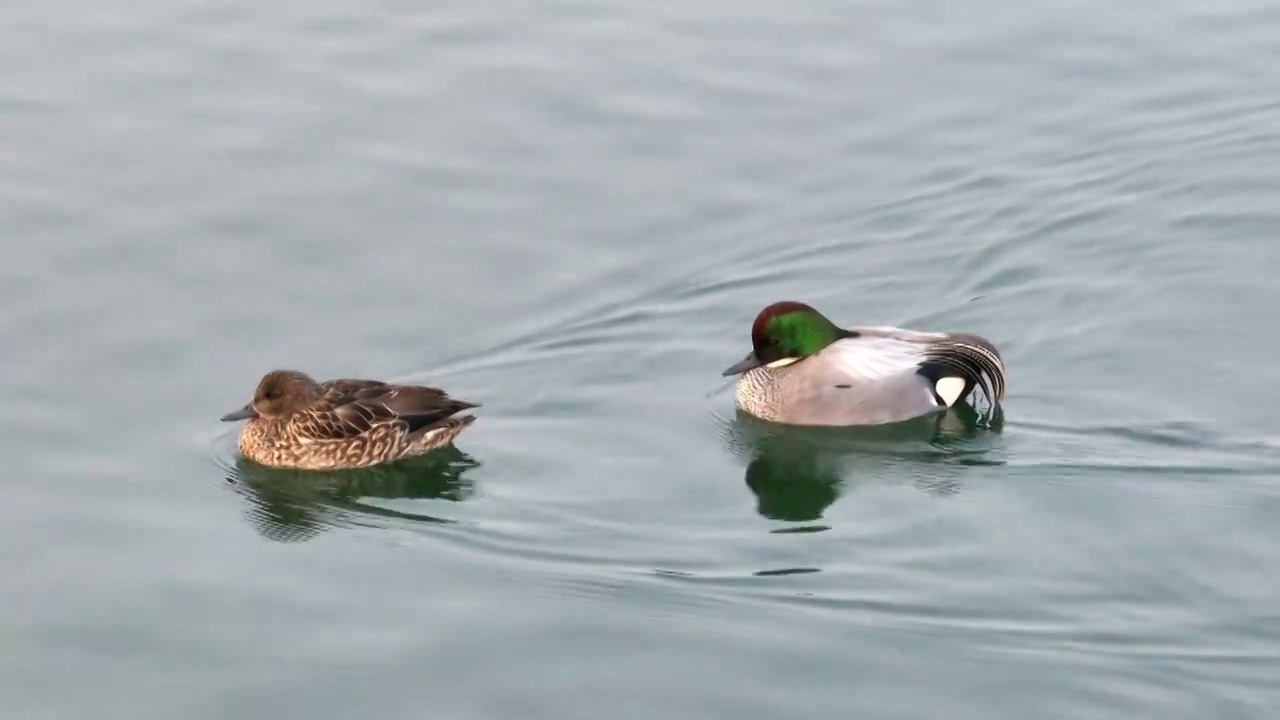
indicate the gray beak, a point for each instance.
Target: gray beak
{"x":243,"y":413}
{"x":747,"y":363}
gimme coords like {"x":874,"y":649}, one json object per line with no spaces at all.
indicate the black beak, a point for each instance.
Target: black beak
{"x":748,"y":363}
{"x":243,"y":413}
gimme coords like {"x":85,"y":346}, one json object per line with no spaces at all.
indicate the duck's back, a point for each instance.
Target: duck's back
{"x":869,"y":379}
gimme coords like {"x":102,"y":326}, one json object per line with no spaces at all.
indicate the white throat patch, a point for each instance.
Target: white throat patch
{"x":949,"y":389}
{"x":782,"y":363}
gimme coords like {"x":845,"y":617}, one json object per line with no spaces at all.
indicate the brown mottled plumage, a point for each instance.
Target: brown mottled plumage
{"x":296,"y":422}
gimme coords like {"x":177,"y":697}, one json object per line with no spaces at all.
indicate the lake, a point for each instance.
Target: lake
{"x":571,"y":212}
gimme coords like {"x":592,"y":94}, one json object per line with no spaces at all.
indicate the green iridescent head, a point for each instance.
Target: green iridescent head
{"x":787,"y":331}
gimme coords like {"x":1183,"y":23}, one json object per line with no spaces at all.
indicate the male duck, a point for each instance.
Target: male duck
{"x":804,"y":370}
{"x":296,"y":422}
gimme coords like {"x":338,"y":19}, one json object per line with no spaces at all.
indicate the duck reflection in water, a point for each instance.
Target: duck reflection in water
{"x":296,"y":505}
{"x":798,"y":472}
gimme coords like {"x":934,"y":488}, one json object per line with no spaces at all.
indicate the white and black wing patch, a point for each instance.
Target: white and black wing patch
{"x":950,"y":388}
{"x":960,"y":364}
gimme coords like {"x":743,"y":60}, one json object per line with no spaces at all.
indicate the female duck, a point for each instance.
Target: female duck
{"x":804,"y":370}
{"x":296,"y":422}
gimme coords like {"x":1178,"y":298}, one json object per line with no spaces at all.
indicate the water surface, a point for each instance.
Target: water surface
{"x":570,"y":212}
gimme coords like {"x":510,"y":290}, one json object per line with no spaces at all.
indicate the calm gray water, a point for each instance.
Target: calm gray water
{"x":571,"y":211}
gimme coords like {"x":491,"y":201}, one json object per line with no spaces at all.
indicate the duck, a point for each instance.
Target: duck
{"x":803,"y":369}
{"x":297,"y":422}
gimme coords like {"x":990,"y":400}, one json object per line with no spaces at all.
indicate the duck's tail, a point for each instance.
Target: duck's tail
{"x":962,"y":363}
{"x":441,"y":433}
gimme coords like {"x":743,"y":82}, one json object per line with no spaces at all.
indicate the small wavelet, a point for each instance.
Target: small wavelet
{"x":295,"y":505}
